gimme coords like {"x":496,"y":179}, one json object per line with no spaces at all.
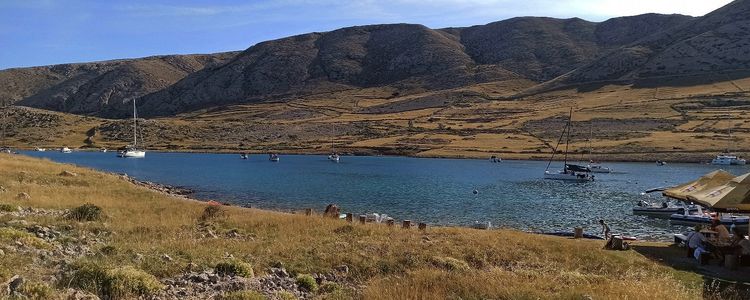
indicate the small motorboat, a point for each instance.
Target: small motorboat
{"x":103,"y":150}
{"x":65,"y":150}
{"x":495,"y":159}
{"x":37,"y":149}
{"x":702,"y":218}
{"x":661,"y":163}
{"x":662,"y":210}
{"x":244,"y":156}
{"x":273,"y":157}
{"x":597,"y":168}
{"x":334,"y":157}
{"x":6,"y":150}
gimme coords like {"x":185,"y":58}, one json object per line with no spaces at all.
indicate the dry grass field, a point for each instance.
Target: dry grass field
{"x":620,"y":122}
{"x":141,"y":226}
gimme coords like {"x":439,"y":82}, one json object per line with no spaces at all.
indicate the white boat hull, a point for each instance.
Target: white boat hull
{"x":133,"y":154}
{"x":568,"y":176}
{"x":334,"y":158}
{"x":691,"y":220}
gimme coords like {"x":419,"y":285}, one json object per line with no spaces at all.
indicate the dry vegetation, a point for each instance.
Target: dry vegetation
{"x":384,"y":263}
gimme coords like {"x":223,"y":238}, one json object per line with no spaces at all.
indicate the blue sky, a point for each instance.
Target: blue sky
{"x":42,"y":32}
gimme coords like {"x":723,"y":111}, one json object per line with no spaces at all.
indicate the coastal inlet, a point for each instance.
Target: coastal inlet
{"x":436,"y":191}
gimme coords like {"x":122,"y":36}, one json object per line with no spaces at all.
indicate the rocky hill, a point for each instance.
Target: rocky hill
{"x":717,"y":44}
{"x":99,"y":88}
{"x":403,"y":58}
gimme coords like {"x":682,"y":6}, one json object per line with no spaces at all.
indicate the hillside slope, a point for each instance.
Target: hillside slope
{"x":402,"y":58}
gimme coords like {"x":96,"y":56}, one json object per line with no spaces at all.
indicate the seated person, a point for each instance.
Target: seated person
{"x":721,"y":231}
{"x":695,"y":239}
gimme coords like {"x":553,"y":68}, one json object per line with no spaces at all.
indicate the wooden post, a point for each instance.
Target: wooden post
{"x":422,"y":226}
{"x":406,"y":224}
{"x":308,"y":212}
{"x":390,"y":222}
{"x":349,"y":217}
{"x":362,"y":219}
{"x":578,"y":233}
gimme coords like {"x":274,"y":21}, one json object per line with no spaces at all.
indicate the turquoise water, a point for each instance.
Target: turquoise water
{"x":436,"y":191}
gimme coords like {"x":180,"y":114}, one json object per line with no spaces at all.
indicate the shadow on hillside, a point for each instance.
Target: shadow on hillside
{"x":718,"y":281}
{"x":691,"y":80}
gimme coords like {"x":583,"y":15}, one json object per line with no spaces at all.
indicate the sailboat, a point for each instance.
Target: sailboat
{"x":570,"y":172}
{"x":594,"y":166}
{"x":334,"y":157}
{"x":728,"y":158}
{"x":131,"y":151}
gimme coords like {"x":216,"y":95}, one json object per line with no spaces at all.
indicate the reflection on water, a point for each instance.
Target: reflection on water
{"x":437,"y":191}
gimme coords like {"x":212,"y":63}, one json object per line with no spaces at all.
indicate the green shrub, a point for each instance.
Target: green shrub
{"x":450,"y":264}
{"x":307,"y":282}
{"x":330,"y":287}
{"x":114,"y":283}
{"x":36,"y":291}
{"x":234,"y":268}
{"x":242,"y":295}
{"x":7,"y":207}
{"x":212,"y":212}
{"x":85,"y":213}
{"x":284,"y":295}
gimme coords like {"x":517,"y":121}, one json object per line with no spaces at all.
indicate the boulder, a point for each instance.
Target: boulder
{"x":67,"y":173}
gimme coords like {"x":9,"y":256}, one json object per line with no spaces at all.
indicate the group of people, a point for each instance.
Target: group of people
{"x":697,"y":242}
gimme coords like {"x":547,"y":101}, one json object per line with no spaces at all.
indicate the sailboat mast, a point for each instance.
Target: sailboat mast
{"x":567,"y":139}
{"x":135,"y":127}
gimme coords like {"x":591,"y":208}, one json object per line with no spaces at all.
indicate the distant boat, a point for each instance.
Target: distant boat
{"x":103,"y":150}
{"x":131,"y":151}
{"x":65,"y":150}
{"x":334,"y":157}
{"x":243,"y":156}
{"x":661,"y":163}
{"x":6,"y":150}
{"x":495,"y":159}
{"x":273,"y":157}
{"x":569,"y":172}
{"x":37,"y":149}
{"x":594,"y":166}
{"x":727,"y":158}
{"x":662,"y":210}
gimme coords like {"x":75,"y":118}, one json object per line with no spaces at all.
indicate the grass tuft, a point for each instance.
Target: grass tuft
{"x":307,"y":282}
{"x":114,"y":283}
{"x":36,"y":291}
{"x":86,"y":213}
{"x":234,"y":268}
{"x":450,"y":264}
{"x":212,"y":212}
{"x":8,"y":207}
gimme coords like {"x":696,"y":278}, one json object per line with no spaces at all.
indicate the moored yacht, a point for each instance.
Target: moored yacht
{"x":334,"y":157}
{"x":37,"y":149}
{"x":131,"y":151}
{"x":65,"y":150}
{"x":574,"y":173}
{"x":273,"y":157}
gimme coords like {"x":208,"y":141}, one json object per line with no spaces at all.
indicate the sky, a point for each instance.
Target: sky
{"x":44,"y":32}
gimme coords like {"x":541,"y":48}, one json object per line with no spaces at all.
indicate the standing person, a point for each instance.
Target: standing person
{"x":605,"y":230}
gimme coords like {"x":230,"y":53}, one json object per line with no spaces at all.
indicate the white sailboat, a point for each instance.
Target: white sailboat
{"x":727,"y":158}
{"x":131,"y":151}
{"x":569,"y":172}
{"x":334,"y":157}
